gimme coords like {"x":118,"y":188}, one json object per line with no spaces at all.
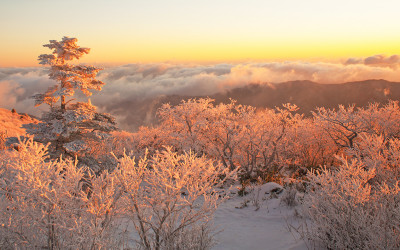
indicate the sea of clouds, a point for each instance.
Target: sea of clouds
{"x":127,"y":85}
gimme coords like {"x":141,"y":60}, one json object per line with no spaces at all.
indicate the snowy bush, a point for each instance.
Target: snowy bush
{"x":381,"y":154}
{"x":171,"y":199}
{"x":238,"y":135}
{"x":343,"y":126}
{"x":346,"y":209}
{"x":267,"y":143}
{"x":54,"y":204}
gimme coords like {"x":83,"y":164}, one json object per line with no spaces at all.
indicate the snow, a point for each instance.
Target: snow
{"x":11,"y":123}
{"x":245,"y":227}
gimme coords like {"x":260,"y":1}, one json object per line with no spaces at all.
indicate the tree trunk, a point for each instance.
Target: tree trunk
{"x":63,"y":104}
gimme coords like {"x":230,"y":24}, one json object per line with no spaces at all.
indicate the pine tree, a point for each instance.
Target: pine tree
{"x":70,"y":126}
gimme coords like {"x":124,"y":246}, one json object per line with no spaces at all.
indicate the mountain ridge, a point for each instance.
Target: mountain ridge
{"x":307,"y":95}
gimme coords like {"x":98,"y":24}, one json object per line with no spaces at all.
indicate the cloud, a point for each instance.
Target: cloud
{"x":141,"y":81}
{"x":129,"y":86}
{"x":9,"y":92}
{"x":17,"y":85}
{"x":376,"y":61}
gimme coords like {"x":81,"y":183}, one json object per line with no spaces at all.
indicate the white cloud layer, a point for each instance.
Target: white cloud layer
{"x":133,"y":83}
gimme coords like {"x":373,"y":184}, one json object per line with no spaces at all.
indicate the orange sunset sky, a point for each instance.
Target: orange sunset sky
{"x":206,"y":31}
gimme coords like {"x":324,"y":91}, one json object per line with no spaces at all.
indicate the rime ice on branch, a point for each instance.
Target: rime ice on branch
{"x":70,"y":126}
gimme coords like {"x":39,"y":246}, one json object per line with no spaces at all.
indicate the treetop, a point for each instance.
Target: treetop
{"x":66,"y":49}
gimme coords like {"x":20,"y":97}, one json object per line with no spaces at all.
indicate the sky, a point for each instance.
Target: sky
{"x":207,"y":31}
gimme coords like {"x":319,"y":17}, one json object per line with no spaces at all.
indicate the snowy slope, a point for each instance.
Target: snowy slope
{"x":11,"y":123}
{"x":245,"y":228}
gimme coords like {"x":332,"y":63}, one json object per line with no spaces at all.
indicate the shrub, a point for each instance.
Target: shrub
{"x":47,"y":204}
{"x":171,"y":199}
{"x":344,"y":211}
{"x":54,"y":204}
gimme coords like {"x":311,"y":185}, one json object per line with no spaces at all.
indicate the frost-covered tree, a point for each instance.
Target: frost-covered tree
{"x":171,"y":198}
{"x":344,"y":125}
{"x":70,"y":126}
{"x":347,"y":208}
{"x":166,"y":201}
{"x":237,"y":135}
{"x":45,"y":204}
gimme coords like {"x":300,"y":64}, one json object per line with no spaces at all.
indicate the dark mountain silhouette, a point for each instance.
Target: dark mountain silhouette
{"x":309,"y":95}
{"x":306,"y":95}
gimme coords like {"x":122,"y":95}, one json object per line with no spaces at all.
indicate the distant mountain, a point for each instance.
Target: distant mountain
{"x":11,"y":122}
{"x":306,"y":95}
{"x":309,"y":95}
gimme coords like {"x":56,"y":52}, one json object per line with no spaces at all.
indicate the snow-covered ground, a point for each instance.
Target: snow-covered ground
{"x":11,"y":123}
{"x":246,"y":227}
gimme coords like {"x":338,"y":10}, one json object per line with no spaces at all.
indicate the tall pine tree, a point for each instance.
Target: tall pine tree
{"x":70,"y":126}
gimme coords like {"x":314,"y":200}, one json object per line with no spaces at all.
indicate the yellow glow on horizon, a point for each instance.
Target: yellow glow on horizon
{"x":215,"y":51}
{"x":204,"y":31}
{"x":243,"y":52}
